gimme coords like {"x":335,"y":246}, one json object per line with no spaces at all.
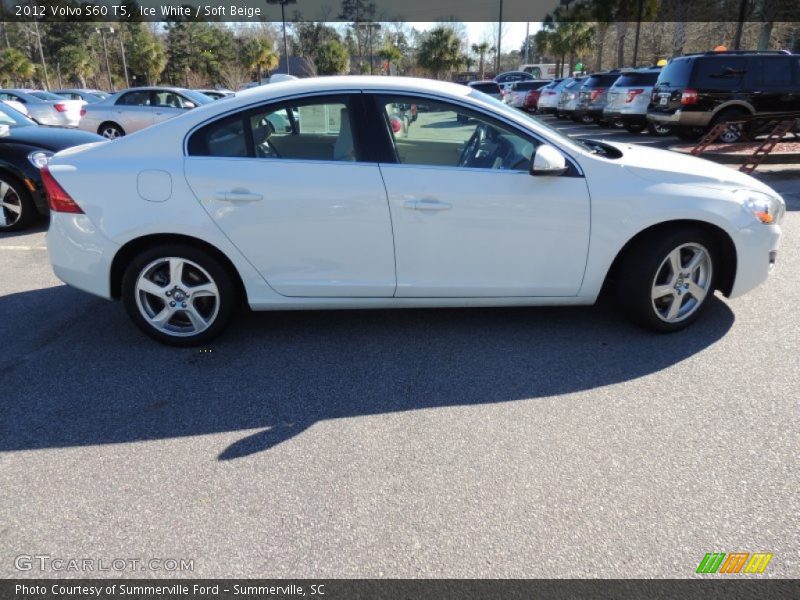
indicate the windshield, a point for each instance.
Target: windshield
{"x":12,"y":118}
{"x":634,"y":79}
{"x":46,"y":96}
{"x":507,"y":110}
{"x":197,"y":97}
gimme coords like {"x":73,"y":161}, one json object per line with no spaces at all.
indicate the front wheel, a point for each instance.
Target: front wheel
{"x":658,"y":130}
{"x":665,"y":282}
{"x":179,"y":295}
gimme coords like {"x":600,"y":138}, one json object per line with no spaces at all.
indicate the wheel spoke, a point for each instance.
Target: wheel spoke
{"x":175,"y":271}
{"x":197,"y":320}
{"x":162,"y":318}
{"x":674,"y":307}
{"x":4,"y":187}
{"x":202,"y":290}
{"x":697,"y":260}
{"x":15,"y":208}
{"x":675,"y":262}
{"x":150,"y":287}
{"x":659,"y":291}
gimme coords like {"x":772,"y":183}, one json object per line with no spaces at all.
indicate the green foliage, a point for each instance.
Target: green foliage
{"x":439,"y":51}
{"x":332,"y":58}
{"x":14,"y":66}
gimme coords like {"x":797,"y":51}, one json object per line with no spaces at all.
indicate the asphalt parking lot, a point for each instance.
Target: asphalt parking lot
{"x":417,"y":443}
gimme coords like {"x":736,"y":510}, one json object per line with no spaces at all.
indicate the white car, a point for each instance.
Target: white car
{"x":217,"y":206}
{"x":46,"y":108}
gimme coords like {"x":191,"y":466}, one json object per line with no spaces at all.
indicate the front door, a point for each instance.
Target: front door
{"x":286,"y":183}
{"x":469,"y":219}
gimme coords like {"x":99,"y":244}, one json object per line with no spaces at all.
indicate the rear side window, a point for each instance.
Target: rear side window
{"x":776,"y":72}
{"x":135,"y":99}
{"x":487,"y":88}
{"x":676,"y":73}
{"x":720,"y":74}
{"x":307,"y":129}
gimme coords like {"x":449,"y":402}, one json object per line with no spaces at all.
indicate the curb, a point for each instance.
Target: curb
{"x":738,"y":159}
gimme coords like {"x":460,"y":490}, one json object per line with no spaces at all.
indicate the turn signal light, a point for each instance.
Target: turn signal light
{"x":763,"y":216}
{"x":59,"y":199}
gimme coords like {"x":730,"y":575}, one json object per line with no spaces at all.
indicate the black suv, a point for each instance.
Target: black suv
{"x":592,"y":97}
{"x":697,"y":91}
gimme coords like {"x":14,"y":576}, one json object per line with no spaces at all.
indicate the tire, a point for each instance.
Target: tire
{"x":110,"y":131}
{"x":153,"y":269}
{"x":17,"y":210}
{"x":645,"y":272}
{"x":690,"y":134}
{"x":618,"y":124}
{"x":586,"y":119}
{"x":734,"y":133}
{"x":659,"y":130}
{"x":634,"y":127}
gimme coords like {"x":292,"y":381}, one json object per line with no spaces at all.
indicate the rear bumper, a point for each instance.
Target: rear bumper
{"x":627,"y":118}
{"x":679,"y":117}
{"x":595,"y":113}
{"x":81,"y":256}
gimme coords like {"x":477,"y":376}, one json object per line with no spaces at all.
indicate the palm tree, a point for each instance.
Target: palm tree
{"x":391,"y":54}
{"x":482,"y":50}
{"x":15,"y":66}
{"x":77,"y":60}
{"x":439,"y":50}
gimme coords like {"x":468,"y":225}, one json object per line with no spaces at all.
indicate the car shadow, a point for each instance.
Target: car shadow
{"x":76,"y":372}
{"x":40,"y":226}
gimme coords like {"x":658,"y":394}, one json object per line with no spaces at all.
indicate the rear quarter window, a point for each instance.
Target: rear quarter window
{"x":724,"y":74}
{"x":676,"y":73}
{"x":487,"y":88}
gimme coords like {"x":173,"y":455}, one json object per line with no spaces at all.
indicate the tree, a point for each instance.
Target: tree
{"x":15,"y":66}
{"x":481,"y":50}
{"x":392,"y":55}
{"x":257,"y":55}
{"x":332,"y":58}
{"x":145,"y":55}
{"x":439,"y":51}
{"x":358,"y":11}
{"x":78,"y":61}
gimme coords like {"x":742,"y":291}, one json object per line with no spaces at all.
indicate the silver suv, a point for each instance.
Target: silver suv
{"x":628,"y":98}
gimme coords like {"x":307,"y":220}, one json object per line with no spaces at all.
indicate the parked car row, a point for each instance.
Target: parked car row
{"x":686,"y":98}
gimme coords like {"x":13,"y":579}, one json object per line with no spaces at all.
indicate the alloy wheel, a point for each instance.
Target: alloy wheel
{"x":10,"y":205}
{"x":110,"y":132}
{"x":682,"y":282}
{"x":177,"y":296}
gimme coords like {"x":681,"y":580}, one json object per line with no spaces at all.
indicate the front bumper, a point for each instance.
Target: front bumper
{"x":80,"y":254}
{"x":756,"y":252}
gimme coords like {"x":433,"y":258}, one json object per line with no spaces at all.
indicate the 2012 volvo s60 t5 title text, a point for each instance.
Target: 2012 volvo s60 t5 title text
{"x":299,"y":195}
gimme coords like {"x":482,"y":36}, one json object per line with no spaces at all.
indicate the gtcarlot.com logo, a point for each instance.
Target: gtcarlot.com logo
{"x":734,"y":562}
{"x":45,"y":562}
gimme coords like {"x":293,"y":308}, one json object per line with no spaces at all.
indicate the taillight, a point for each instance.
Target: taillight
{"x":396,"y":124}
{"x":689,"y":97}
{"x":60,"y":107}
{"x":633,"y":93}
{"x":595,"y":93}
{"x":60,"y":200}
{"x":83,"y":112}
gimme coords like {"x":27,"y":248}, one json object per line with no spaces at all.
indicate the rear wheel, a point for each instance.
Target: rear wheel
{"x":735,"y":132}
{"x":179,"y":295}
{"x":658,"y":129}
{"x":634,"y":127}
{"x":665,"y":281}
{"x":17,"y":210}
{"x":110,"y":131}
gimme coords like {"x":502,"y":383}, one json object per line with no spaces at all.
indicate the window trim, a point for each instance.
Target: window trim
{"x":353,"y":101}
{"x":575,"y":171}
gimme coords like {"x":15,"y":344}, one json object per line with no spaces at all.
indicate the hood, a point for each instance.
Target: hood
{"x":665,"y":166}
{"x":49,"y":138}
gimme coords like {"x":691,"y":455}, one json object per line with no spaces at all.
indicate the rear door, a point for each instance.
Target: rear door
{"x":291,"y":185}
{"x":778,"y":86}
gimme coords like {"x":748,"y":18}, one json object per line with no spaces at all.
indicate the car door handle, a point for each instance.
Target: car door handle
{"x":238,"y":196}
{"x":427,"y":204}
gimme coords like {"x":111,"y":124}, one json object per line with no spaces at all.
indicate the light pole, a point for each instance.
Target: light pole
{"x":102,"y":31}
{"x":283,"y":4}
{"x":499,"y":40}
{"x":370,"y":27}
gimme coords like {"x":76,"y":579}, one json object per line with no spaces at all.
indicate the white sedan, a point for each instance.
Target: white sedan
{"x":480,"y":205}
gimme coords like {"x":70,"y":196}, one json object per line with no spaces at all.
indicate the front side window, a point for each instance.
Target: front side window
{"x":168,"y":99}
{"x":306,"y":129}
{"x":447,"y":135}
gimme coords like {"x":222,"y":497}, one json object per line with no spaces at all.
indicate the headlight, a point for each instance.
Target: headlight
{"x":766,"y":208}
{"x":40,"y":158}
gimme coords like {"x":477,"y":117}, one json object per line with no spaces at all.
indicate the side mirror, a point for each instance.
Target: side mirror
{"x":548,"y":161}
